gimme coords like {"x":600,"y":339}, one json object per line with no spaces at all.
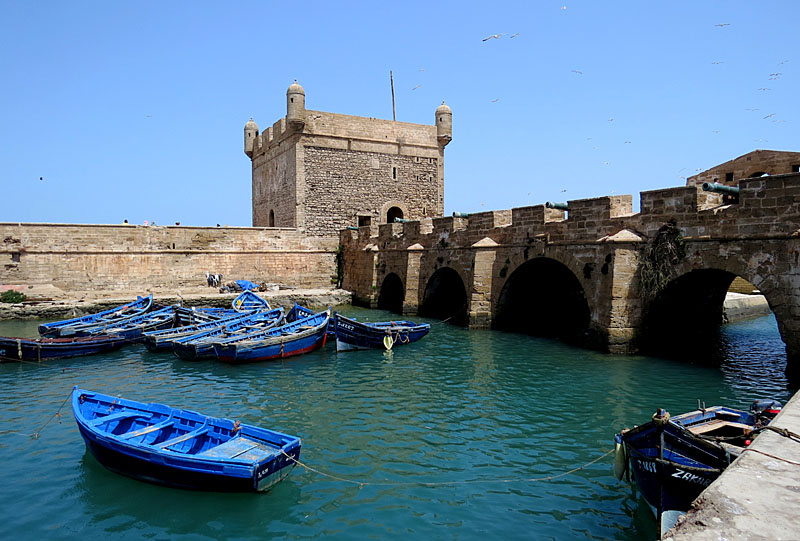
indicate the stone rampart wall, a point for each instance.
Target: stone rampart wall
{"x":127,"y":257}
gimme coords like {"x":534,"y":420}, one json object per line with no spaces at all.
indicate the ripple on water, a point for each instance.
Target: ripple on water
{"x":443,"y":438}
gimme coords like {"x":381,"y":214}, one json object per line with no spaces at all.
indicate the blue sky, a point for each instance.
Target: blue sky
{"x":135,"y":110}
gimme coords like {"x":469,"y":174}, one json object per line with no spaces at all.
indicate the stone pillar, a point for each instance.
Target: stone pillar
{"x":411,"y":297}
{"x":480,"y":301}
{"x":625,"y":310}
{"x":373,"y":289}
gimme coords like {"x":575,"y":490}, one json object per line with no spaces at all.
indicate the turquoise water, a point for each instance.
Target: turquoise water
{"x":477,"y":414}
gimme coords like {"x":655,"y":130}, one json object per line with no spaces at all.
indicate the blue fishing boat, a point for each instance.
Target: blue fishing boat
{"x":201,"y":345}
{"x":352,"y":334}
{"x":298,"y":312}
{"x":43,"y":349}
{"x":67,"y":327}
{"x":133,"y":327}
{"x":673,"y":459}
{"x":181,"y":448}
{"x":301,"y":336}
{"x":249,"y":301}
{"x":164,"y":339}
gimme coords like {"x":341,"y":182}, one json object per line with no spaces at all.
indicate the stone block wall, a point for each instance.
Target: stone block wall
{"x":127,"y":257}
{"x":344,"y":184}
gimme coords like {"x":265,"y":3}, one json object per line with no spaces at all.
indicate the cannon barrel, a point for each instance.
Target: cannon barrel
{"x":556,"y":205}
{"x":460,"y":215}
{"x":351,"y":228}
{"x":400,"y":220}
{"x":720,"y":188}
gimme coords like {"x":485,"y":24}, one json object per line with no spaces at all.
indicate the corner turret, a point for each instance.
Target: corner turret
{"x":296,"y":106}
{"x":250,"y":134}
{"x":444,"y":124}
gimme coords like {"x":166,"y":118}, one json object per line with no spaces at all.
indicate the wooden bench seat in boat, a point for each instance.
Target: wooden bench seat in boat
{"x":241,"y":448}
{"x":189,"y":435}
{"x":120,"y":415}
{"x":147,"y":429}
{"x":716,"y":424}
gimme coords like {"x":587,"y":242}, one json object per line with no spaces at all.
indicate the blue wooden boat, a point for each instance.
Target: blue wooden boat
{"x":301,"y":336}
{"x":67,"y":327}
{"x":352,"y":334}
{"x":164,"y":339}
{"x":673,"y":459}
{"x":43,"y":349}
{"x":298,"y":312}
{"x":181,"y":448}
{"x":249,"y":301}
{"x":133,"y":328}
{"x":201,"y":345}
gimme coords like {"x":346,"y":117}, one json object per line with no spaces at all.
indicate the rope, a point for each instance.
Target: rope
{"x":772,"y":456}
{"x":35,"y":435}
{"x":445,"y":483}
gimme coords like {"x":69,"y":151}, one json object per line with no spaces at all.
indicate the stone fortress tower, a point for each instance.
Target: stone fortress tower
{"x":321,"y":172}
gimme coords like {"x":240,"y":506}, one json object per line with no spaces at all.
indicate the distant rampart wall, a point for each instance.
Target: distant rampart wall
{"x":126,"y":257}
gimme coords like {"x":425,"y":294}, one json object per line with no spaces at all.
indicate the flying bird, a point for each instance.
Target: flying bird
{"x":722,"y":24}
{"x":718,"y":62}
{"x":495,"y":100}
{"x":416,"y":87}
{"x":564,"y":8}
{"x":756,"y":109}
{"x":773,"y":76}
{"x":578,"y":72}
{"x":627,"y":142}
{"x":493,"y":36}
{"x":611,"y":119}
{"x":762,"y":88}
{"x":41,"y":178}
{"x":769,"y":115}
{"x":512,"y":36}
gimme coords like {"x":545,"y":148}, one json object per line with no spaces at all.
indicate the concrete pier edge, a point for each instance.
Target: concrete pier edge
{"x":756,"y":497}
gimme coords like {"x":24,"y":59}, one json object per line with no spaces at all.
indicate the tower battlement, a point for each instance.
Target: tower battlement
{"x":321,"y":172}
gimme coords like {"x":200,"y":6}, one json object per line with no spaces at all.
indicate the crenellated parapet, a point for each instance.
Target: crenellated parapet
{"x":599,"y":241}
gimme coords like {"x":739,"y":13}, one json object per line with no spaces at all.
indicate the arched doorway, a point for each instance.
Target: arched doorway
{"x":542,"y":297}
{"x":392,"y":213}
{"x":445,"y":297}
{"x":392,"y":294}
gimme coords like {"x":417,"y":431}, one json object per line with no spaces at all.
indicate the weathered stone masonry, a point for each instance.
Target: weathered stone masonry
{"x":128,"y":258}
{"x":599,"y":241}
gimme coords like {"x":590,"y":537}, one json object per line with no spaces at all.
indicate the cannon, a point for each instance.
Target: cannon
{"x":720,"y":188}
{"x":556,"y":205}
{"x":460,"y":215}
{"x":351,"y":228}
{"x":400,"y":220}
{"x":730,"y":194}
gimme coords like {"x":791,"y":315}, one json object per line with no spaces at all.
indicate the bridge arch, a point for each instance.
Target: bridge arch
{"x":684,"y":320}
{"x":543,"y":297}
{"x":392,"y":294}
{"x":445,"y":297}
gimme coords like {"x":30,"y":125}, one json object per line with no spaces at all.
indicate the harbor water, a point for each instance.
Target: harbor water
{"x":463,"y":435}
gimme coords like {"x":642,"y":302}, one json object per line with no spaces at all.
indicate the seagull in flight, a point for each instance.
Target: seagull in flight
{"x":769,"y":115}
{"x":762,"y":88}
{"x":722,"y":24}
{"x":495,"y":100}
{"x":416,"y":87}
{"x":718,"y":62}
{"x":578,"y":72}
{"x":493,"y":36}
{"x":773,"y":76}
{"x":512,"y":36}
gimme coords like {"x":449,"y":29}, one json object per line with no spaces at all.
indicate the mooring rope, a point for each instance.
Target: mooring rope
{"x":771,"y":456}
{"x":35,"y":435}
{"x":445,"y":483}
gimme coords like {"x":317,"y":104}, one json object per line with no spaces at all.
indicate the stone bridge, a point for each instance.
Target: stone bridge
{"x":597,"y":273}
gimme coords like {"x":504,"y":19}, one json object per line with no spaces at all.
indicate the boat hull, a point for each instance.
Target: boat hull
{"x":353,"y":335}
{"x":278,"y":348}
{"x":149,"y":471}
{"x":181,"y":448}
{"x":42,"y":349}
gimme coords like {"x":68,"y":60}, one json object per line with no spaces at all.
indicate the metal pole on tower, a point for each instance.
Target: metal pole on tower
{"x":391,"y":81}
